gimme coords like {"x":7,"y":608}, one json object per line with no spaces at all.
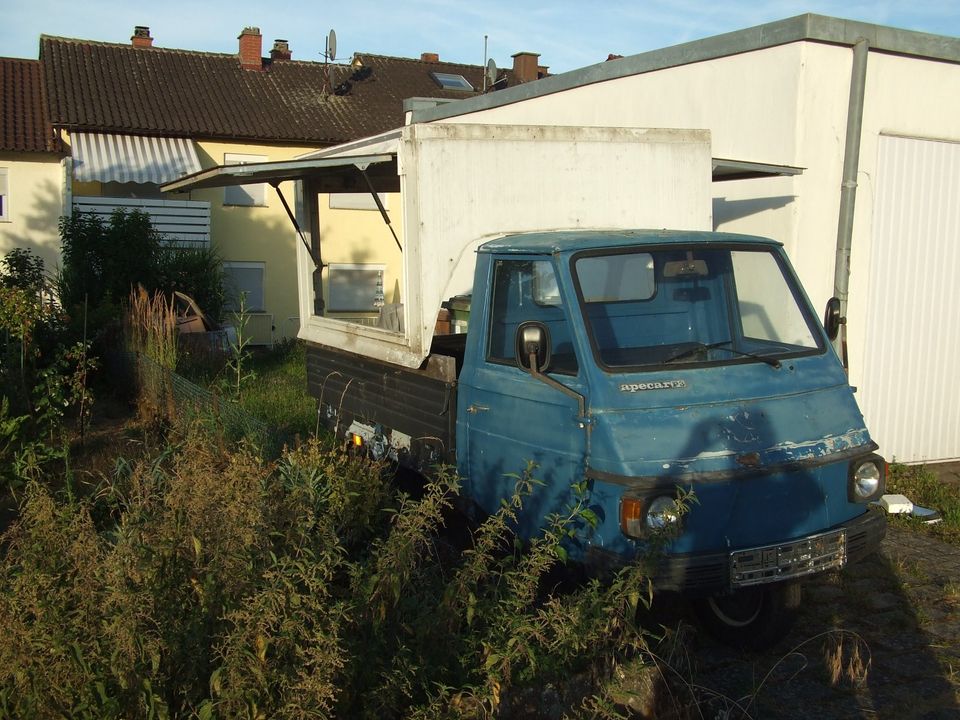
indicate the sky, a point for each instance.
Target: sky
{"x":567,"y":34}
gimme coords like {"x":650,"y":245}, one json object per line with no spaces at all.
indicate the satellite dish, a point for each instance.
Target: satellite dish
{"x":332,"y":45}
{"x":491,"y":71}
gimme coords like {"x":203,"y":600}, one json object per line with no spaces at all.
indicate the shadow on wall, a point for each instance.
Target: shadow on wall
{"x":36,"y":227}
{"x":725,"y":210}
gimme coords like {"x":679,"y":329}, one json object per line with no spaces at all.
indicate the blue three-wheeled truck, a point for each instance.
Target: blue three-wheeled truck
{"x":637,"y":363}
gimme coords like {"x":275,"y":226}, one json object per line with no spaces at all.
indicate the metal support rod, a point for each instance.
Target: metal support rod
{"x":380,"y":207}
{"x":848,"y":187}
{"x":296,"y":225}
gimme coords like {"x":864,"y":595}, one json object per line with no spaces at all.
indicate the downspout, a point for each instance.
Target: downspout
{"x":848,"y":189}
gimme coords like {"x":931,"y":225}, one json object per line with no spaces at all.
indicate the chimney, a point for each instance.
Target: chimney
{"x":251,"y":49}
{"x":141,"y":37}
{"x":281,"y":50}
{"x":525,"y":66}
{"x":429,"y":57}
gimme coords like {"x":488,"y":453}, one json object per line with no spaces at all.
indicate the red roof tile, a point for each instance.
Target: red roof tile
{"x":24,"y":126}
{"x":106,"y":87}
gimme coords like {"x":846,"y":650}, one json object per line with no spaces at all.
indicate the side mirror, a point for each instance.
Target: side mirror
{"x":533,"y":347}
{"x":832,"y":320}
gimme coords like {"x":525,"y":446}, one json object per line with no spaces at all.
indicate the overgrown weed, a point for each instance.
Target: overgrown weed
{"x":203,"y":581}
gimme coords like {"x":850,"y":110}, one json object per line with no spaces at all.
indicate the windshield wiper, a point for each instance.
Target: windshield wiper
{"x":772,"y":362}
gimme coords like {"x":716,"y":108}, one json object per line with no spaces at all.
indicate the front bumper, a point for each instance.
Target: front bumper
{"x":698,"y":574}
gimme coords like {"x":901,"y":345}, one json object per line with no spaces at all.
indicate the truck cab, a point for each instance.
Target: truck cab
{"x":652,"y":363}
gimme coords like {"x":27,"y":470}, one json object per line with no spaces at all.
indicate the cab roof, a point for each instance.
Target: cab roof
{"x":548,"y":243}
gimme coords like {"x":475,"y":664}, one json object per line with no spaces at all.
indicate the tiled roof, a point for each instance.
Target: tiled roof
{"x":23,"y":123}
{"x":395,"y":79}
{"x":106,"y":87}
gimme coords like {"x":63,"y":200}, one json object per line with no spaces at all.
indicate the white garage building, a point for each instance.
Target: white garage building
{"x":872,"y":115}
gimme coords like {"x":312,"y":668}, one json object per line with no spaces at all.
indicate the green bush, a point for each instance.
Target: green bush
{"x":22,"y":269}
{"x":103,"y":262}
{"x":198,"y":272}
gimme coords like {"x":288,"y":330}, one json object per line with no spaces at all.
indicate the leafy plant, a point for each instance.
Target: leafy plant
{"x":238,"y":366}
{"x":198,"y":272}
{"x":24,"y":270}
{"x":104,"y":261}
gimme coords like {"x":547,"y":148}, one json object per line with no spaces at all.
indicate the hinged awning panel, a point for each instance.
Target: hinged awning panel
{"x":332,"y":174}
{"x":99,"y":157}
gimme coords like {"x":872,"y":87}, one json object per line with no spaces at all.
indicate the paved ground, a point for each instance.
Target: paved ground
{"x":900,"y":607}
{"x":947,"y":472}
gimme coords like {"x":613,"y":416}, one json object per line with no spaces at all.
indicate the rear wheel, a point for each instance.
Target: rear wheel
{"x":752,"y":618}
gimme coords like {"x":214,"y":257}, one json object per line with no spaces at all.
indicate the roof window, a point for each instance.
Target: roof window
{"x":449,"y":81}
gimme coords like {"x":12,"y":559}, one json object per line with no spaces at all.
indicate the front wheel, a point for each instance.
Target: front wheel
{"x":753,"y":618}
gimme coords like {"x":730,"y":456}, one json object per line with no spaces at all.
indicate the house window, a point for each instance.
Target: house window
{"x":4,"y":196}
{"x":355,"y":288}
{"x":243,"y":279}
{"x":356,"y":201}
{"x":449,"y":81}
{"x":245,"y":195}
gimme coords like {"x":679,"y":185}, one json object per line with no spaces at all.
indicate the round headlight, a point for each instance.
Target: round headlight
{"x":866,"y":480}
{"x":662,"y":513}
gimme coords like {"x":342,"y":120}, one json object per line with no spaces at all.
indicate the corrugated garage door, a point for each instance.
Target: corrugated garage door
{"x":911,"y":377}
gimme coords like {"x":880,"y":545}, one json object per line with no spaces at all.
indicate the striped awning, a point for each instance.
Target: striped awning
{"x":132,"y":158}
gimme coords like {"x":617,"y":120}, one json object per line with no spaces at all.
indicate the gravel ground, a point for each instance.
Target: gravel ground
{"x":900,"y":608}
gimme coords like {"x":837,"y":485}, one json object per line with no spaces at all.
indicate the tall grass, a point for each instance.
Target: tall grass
{"x":151,"y":327}
{"x":922,"y":486}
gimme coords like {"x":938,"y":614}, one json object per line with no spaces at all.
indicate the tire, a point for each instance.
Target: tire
{"x":754,"y":618}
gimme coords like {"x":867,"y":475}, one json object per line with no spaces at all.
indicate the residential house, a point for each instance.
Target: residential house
{"x":137,"y":115}
{"x":31,"y":173}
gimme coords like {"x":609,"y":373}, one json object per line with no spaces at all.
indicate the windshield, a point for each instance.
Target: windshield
{"x":688,"y":306}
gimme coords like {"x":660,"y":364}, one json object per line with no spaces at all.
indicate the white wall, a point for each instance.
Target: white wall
{"x":908,"y":97}
{"x":782,"y":105}
{"x":788,"y":105}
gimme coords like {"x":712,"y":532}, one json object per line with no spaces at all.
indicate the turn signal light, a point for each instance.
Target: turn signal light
{"x":631,"y":517}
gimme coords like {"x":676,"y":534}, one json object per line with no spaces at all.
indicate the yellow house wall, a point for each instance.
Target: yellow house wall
{"x":35,"y":184}
{"x":259,"y":234}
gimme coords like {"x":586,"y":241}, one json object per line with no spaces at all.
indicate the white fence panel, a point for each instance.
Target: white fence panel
{"x":185,"y":223}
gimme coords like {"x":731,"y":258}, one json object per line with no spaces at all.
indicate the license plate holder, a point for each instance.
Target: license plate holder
{"x":783,"y":561}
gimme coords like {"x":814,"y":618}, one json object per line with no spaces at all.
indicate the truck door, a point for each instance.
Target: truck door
{"x":507,"y":417}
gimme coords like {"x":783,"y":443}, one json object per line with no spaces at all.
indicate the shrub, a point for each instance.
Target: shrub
{"x":22,"y":269}
{"x":198,"y":272}
{"x":103,"y":262}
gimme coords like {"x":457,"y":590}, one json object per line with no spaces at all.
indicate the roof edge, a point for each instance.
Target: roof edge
{"x":807,"y":27}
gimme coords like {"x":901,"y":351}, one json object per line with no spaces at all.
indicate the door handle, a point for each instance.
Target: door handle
{"x":475,"y":408}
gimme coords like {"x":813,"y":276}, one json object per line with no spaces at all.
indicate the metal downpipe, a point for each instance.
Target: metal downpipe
{"x":848,"y":188}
